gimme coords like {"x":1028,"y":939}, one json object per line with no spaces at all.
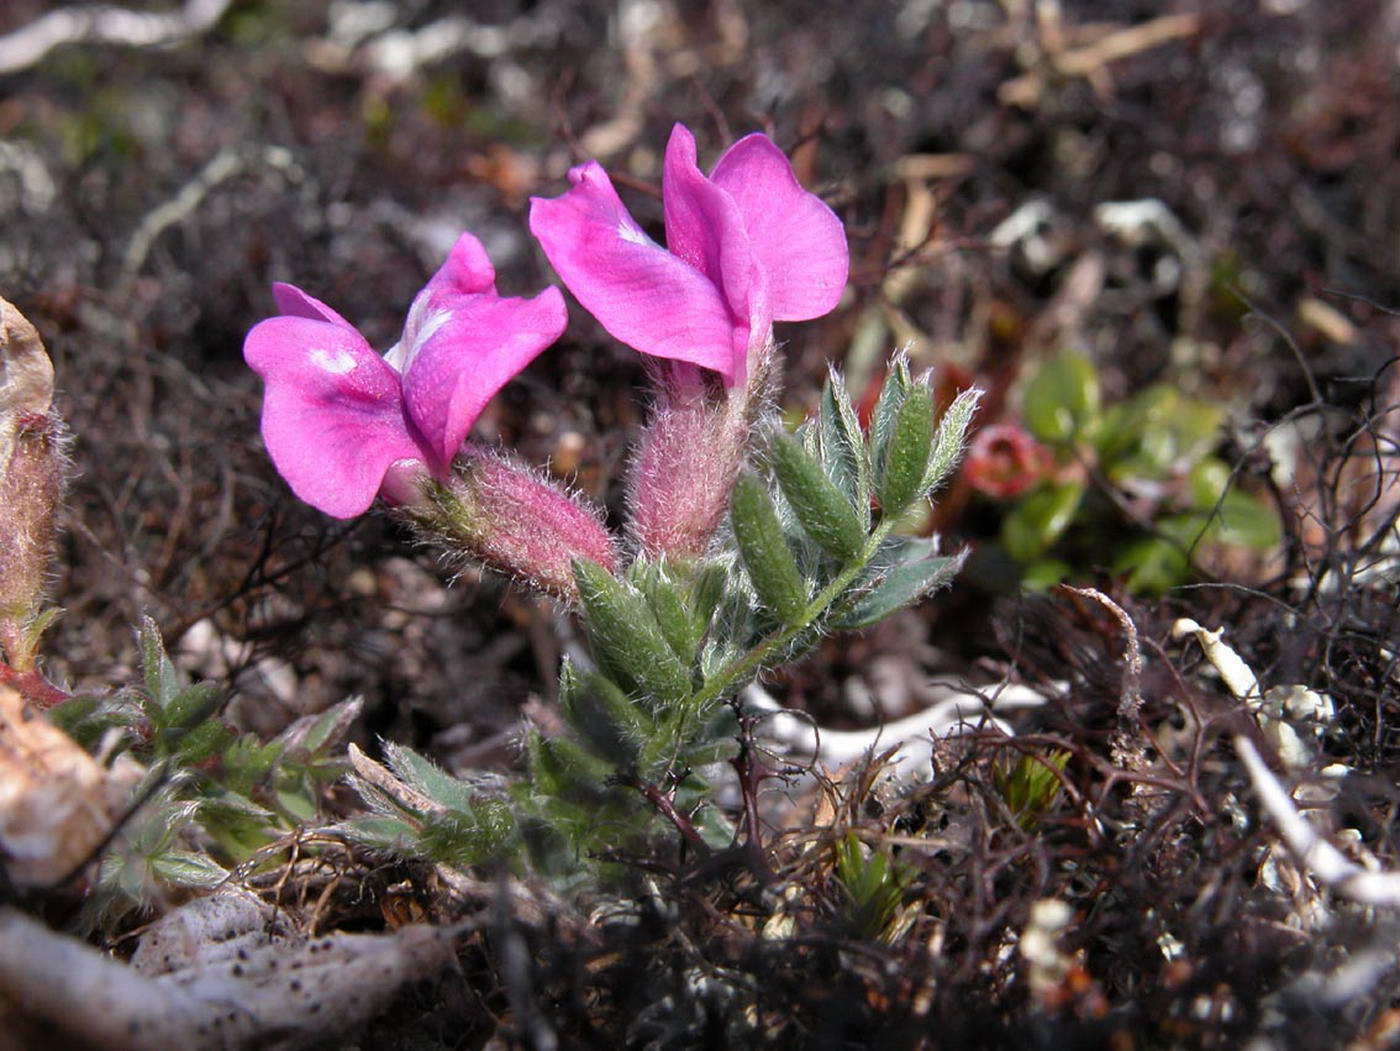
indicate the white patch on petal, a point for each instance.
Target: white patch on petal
{"x":423,"y":321}
{"x":395,"y":355}
{"x":337,"y":362}
{"x":429,"y":325}
{"x":632,"y":234}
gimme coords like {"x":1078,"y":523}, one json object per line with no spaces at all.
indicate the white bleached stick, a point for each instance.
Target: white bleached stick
{"x":1321,"y":858}
{"x":104,"y":24}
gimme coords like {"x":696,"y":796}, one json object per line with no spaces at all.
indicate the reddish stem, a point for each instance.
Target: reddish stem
{"x":667,"y":808}
{"x":750,"y":773}
{"x":32,"y":686}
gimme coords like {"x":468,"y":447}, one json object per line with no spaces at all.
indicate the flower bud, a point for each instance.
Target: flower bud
{"x":689,"y":459}
{"x":32,"y":472}
{"x":501,"y":514}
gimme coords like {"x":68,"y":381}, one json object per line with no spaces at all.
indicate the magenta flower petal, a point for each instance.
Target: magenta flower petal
{"x":744,"y":247}
{"x":704,"y":226}
{"x":796,"y":239}
{"x":344,"y":425}
{"x":641,"y":293}
{"x":293,"y":302}
{"x":469,"y":346}
{"x":333,"y":415}
{"x":466,"y":269}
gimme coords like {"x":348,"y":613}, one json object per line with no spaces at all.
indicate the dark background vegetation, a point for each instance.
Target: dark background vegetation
{"x":148,"y":196}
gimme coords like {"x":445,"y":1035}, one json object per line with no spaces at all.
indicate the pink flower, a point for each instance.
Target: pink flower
{"x":1004,"y":461}
{"x":343,"y":424}
{"x":747,"y":246}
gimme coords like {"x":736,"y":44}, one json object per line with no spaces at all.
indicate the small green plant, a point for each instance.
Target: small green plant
{"x":1029,"y":785}
{"x":417,"y":810}
{"x":1135,"y":487}
{"x":210,"y":798}
{"x":872,"y":885}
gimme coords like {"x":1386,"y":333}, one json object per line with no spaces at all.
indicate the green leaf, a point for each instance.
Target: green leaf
{"x":1061,"y":402}
{"x":823,"y":511}
{"x":36,"y":627}
{"x":1236,"y":517}
{"x":1158,"y":432}
{"x":691,"y":739}
{"x":626,"y":639}
{"x":707,"y":590}
{"x":1044,"y":573}
{"x":1153,"y":565}
{"x":603,"y":715}
{"x":770,"y":562}
{"x":676,"y":620}
{"x":543,"y":780}
{"x":874,"y":887}
{"x":87,"y":717}
{"x":951,"y":438}
{"x":203,"y":742}
{"x":906,"y":453}
{"x":1208,"y":482}
{"x":1030,"y":785}
{"x":300,"y":807}
{"x":1195,"y":429}
{"x":162,"y":682}
{"x":427,"y":777}
{"x":388,"y":834}
{"x":463,"y":840}
{"x":191,"y":706}
{"x":1039,"y":519}
{"x":184,"y":868}
{"x":562,"y":770}
{"x":1246,"y":521}
{"x":1118,"y":432}
{"x":901,"y":584}
{"x":891,"y":400}
{"x":236,"y":823}
{"x":248,"y":761}
{"x":311,"y":735}
{"x":78,"y":713}
{"x":733,"y":625}
{"x":842,"y":445}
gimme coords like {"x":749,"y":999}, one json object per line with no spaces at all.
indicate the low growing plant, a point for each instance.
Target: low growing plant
{"x":211,"y":799}
{"x":743,"y":544}
{"x":1136,"y":487}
